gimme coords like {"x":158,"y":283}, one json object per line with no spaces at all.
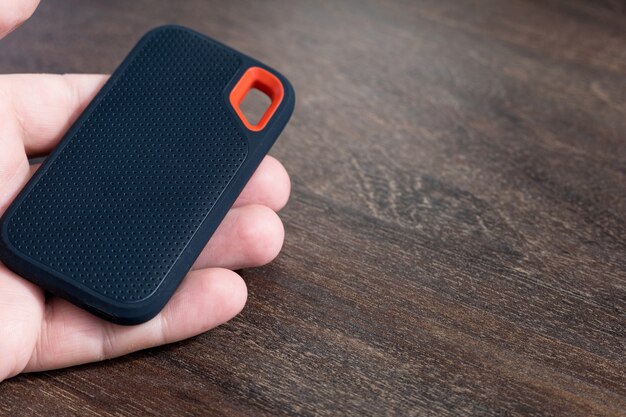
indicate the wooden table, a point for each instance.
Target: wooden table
{"x":456,"y":240}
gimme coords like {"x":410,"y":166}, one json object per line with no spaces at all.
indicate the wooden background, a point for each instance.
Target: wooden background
{"x":456,"y":240}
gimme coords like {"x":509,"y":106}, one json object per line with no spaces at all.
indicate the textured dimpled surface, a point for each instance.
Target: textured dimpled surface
{"x":123,"y":198}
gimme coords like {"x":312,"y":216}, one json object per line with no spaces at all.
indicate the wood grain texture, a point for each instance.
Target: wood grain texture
{"x":456,"y":240}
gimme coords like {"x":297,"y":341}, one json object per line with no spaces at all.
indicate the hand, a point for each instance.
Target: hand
{"x":39,"y":333}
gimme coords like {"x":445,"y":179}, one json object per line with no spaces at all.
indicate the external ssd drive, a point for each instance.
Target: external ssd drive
{"x":120,"y":210}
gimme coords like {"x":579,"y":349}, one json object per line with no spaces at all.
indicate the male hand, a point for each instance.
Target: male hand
{"x":40,"y":333}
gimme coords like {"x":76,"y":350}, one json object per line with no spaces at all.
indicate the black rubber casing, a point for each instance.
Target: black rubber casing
{"x":118,"y":213}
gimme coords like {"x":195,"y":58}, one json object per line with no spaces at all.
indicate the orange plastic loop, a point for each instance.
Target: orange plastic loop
{"x":264,"y":81}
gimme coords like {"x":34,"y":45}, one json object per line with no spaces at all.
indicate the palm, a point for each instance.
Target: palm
{"x":37,"y":332}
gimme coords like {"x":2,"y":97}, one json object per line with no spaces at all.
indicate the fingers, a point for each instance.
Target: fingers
{"x":45,"y":105}
{"x":270,"y":186}
{"x":13,"y":13}
{"x":21,"y":311}
{"x":71,"y":336}
{"x":248,"y":236}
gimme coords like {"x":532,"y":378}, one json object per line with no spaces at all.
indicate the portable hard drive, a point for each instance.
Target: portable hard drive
{"x":117,"y":214}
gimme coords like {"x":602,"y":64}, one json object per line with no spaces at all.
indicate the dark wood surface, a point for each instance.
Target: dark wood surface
{"x":456,"y":239}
